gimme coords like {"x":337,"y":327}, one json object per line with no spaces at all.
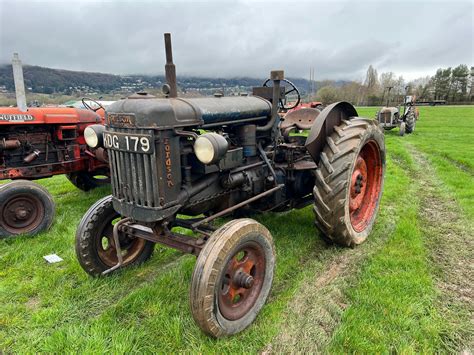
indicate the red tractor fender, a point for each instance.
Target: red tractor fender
{"x":324,"y":125}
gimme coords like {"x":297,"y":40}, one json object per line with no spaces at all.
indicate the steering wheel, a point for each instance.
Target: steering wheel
{"x":87,"y":106}
{"x":293,"y":88}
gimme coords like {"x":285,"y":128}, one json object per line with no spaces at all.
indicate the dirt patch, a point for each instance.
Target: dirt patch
{"x":33,"y":303}
{"x":449,"y":236}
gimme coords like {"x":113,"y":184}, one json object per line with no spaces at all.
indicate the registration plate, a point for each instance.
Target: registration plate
{"x":135,"y":143}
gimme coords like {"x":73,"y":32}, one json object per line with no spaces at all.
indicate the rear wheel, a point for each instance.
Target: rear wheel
{"x":349,"y":181}
{"x":232,"y":277}
{"x":25,"y":208}
{"x":86,"y":181}
{"x":410,"y":122}
{"x":95,"y":246}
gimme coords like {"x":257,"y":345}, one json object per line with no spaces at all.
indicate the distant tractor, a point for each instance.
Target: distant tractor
{"x":39,"y":142}
{"x":389,"y":116}
{"x":210,"y":157}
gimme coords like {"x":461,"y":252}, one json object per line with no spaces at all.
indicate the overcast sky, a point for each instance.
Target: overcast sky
{"x":240,"y":38}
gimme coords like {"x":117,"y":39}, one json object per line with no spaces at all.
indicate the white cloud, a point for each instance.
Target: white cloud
{"x":240,"y":38}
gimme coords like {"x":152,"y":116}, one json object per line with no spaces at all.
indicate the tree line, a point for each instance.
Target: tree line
{"x":455,"y":85}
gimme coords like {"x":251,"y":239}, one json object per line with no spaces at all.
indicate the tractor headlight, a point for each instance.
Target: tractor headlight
{"x":210,"y":148}
{"x":93,"y":135}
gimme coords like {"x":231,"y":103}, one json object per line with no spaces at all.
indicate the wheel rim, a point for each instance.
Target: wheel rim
{"x":105,"y":245}
{"x":242,"y":281}
{"x":22,"y":214}
{"x":366,"y":182}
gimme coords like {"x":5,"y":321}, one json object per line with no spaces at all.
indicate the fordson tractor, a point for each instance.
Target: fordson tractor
{"x":41,"y":142}
{"x":179,"y":162}
{"x":389,"y":117}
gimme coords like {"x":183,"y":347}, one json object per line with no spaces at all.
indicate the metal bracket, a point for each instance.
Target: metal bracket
{"x":118,"y":249}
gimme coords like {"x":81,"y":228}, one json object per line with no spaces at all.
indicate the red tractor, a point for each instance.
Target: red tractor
{"x":37,"y":143}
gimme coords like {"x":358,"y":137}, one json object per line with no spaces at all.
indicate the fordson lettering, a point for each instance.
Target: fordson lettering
{"x":169,"y":176}
{"x":121,"y":119}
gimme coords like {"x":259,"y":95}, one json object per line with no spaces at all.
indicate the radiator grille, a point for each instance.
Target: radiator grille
{"x":387,"y":117}
{"x":134,"y":176}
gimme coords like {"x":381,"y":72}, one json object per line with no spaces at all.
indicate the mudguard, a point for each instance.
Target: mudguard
{"x":324,"y":125}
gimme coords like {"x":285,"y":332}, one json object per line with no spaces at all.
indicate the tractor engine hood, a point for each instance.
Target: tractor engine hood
{"x":158,"y":113}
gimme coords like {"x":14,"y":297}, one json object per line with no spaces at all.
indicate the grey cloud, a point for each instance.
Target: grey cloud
{"x":240,"y":38}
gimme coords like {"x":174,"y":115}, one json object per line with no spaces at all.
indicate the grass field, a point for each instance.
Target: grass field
{"x":407,"y":289}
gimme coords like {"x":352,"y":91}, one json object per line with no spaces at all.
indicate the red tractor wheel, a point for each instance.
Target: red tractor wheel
{"x":232,"y":277}
{"x":25,"y":208}
{"x":349,"y":181}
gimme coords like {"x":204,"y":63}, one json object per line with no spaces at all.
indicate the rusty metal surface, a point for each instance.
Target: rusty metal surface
{"x":21,"y":213}
{"x":184,"y":243}
{"x":240,"y":287}
{"x":301,"y":119}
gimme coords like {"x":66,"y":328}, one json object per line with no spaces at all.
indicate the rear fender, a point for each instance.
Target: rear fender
{"x":324,"y":125}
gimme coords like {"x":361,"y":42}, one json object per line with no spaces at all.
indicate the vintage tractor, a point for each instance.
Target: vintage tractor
{"x":179,"y":162}
{"x":41,"y":142}
{"x":389,"y":117}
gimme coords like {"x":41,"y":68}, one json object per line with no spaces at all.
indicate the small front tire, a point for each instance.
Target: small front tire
{"x":232,"y":277}
{"x":95,"y":247}
{"x":402,"y":130}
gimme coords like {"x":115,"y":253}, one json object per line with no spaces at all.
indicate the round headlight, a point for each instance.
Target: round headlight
{"x":210,"y":148}
{"x":94,"y":135}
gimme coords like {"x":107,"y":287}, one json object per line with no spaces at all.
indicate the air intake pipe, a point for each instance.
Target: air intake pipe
{"x":170,"y":69}
{"x":276,"y":76}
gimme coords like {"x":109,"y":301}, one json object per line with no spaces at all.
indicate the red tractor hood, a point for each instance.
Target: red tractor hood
{"x":49,"y":115}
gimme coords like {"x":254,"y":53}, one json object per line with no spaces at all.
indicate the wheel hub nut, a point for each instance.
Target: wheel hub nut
{"x":358,"y":184}
{"x":243,"y":279}
{"x":21,"y":213}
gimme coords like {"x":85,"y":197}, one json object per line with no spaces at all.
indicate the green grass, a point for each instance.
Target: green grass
{"x":389,"y":296}
{"x":393,"y":301}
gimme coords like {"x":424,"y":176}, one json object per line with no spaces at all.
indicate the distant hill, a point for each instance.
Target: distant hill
{"x":48,"y":81}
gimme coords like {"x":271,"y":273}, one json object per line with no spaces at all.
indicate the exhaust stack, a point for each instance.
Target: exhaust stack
{"x":170,"y":69}
{"x":19,"y":83}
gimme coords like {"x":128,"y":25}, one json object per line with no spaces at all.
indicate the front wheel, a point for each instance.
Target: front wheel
{"x":25,"y":208}
{"x":402,"y":130}
{"x":349,"y":181}
{"x":95,"y":247}
{"x":232,"y":277}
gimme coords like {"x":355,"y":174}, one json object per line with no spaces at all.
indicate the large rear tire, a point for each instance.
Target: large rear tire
{"x":410,"y":122}
{"x":25,"y":208}
{"x":349,"y":181}
{"x":95,"y":248}
{"x":232,"y":277}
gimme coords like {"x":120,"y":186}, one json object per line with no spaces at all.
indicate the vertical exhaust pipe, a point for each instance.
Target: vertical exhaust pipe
{"x":19,"y":83}
{"x":170,"y":69}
